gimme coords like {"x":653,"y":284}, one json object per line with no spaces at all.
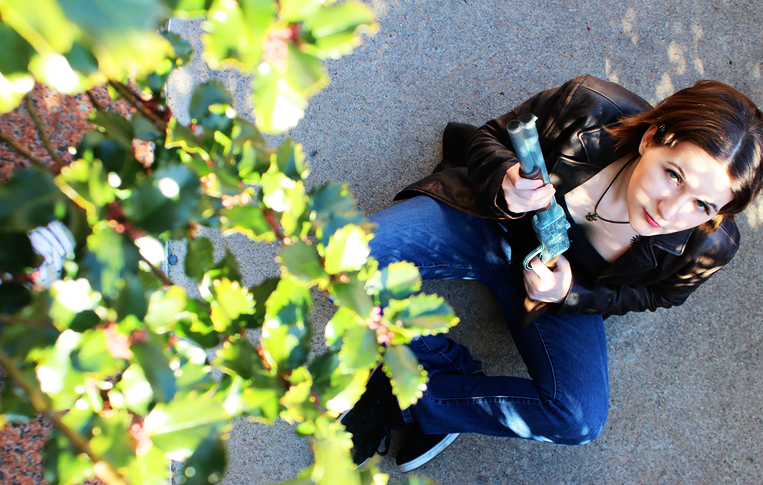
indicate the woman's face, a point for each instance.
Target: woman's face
{"x":672,"y":189}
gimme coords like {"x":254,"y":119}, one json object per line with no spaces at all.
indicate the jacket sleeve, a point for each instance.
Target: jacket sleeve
{"x":669,"y":284}
{"x":490,"y":152}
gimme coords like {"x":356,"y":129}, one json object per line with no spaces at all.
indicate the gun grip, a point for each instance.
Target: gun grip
{"x":536,"y":173}
{"x":532,"y":309}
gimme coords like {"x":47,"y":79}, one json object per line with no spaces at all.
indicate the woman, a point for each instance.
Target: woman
{"x":650,"y":194}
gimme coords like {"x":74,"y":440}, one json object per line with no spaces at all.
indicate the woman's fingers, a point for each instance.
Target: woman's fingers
{"x":545,"y":284}
{"x":523,"y":195}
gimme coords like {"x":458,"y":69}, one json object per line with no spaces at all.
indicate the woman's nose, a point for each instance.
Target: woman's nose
{"x":669,"y":207}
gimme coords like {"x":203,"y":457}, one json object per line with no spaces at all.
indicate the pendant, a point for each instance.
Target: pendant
{"x":591,"y":217}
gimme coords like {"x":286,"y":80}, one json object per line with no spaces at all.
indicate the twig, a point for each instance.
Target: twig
{"x":93,"y":100}
{"x":104,"y":470}
{"x":42,"y":132}
{"x":137,"y":103}
{"x":21,"y":151}
{"x":157,"y":272}
{"x":24,"y":321}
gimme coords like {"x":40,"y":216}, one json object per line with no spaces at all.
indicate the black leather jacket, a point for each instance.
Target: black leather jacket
{"x":658,"y":271}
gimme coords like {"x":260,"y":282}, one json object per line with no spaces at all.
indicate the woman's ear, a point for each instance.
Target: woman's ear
{"x":646,"y":140}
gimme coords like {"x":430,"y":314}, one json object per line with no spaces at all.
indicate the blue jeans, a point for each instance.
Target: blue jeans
{"x":567,"y":396}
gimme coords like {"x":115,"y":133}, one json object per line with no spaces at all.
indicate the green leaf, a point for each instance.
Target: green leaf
{"x":92,"y":356}
{"x":199,"y":257}
{"x":87,"y":185}
{"x":82,"y":60}
{"x":16,"y":52}
{"x":248,"y":220}
{"x":132,"y":298}
{"x":290,"y":159}
{"x":205,"y":95}
{"x":164,"y":200}
{"x":136,"y":389}
{"x":353,"y":296}
{"x":145,"y":129}
{"x":360,"y":349}
{"x":426,"y":313}
{"x":179,"y":426}
{"x":231,"y":307}
{"x":298,"y":10}
{"x":397,"y":281}
{"x":125,"y":33}
{"x":238,"y":357}
{"x":225,"y":268}
{"x":95,"y":145}
{"x":335,"y":30}
{"x":336,"y":390}
{"x":333,"y":463}
{"x":278,"y":107}
{"x":115,"y":126}
{"x":62,"y":463}
{"x":148,"y":469}
{"x":14,"y":90}
{"x":84,"y":321}
{"x":261,"y":293}
{"x":28,"y":200}
{"x":207,"y":464}
{"x":111,"y":438}
{"x":110,"y":256}
{"x":301,"y":260}
{"x":156,"y":367}
{"x":16,"y":253}
{"x":262,"y":399}
{"x":347,"y":250}
{"x":51,"y":31}
{"x":164,"y":309}
{"x":285,"y":335}
{"x":194,"y":324}
{"x":236,"y":32}
{"x":14,"y":405}
{"x":407,"y":376}
{"x":333,"y":207}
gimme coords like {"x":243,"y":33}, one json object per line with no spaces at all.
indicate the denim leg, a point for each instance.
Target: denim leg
{"x":443,"y":242}
{"x":567,"y":396}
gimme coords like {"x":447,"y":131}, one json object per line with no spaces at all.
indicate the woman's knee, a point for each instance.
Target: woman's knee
{"x":581,"y":424}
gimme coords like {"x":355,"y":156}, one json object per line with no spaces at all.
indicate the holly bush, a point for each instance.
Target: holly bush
{"x":130,"y":370}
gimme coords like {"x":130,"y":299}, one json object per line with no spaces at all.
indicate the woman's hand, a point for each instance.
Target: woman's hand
{"x":524,"y":195}
{"x":543,"y":284}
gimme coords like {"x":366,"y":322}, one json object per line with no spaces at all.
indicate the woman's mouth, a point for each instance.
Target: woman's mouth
{"x":651,"y":221}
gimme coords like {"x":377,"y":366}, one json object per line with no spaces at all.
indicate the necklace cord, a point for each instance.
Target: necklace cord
{"x":592,"y":216}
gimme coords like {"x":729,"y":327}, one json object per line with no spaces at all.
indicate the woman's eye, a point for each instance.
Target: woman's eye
{"x":702,"y":206}
{"x":673,"y":175}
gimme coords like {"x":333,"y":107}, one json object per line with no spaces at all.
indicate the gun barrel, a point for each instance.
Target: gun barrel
{"x":523,"y":149}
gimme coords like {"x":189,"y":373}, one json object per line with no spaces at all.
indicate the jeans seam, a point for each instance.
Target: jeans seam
{"x":550,"y":361}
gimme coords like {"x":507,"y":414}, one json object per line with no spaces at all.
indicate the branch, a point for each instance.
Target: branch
{"x":157,"y":272}
{"x":42,"y":132}
{"x":24,"y":321}
{"x":137,"y":103}
{"x":103,"y":469}
{"x":93,"y":100}
{"x":21,"y":151}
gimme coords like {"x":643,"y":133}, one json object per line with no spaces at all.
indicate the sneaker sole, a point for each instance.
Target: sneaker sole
{"x":434,"y":451}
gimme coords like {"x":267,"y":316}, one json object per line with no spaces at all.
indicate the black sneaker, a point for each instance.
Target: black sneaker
{"x":366,"y":421}
{"x":420,"y":448}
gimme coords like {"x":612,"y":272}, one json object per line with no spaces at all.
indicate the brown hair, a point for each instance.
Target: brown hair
{"x":718,"y":119}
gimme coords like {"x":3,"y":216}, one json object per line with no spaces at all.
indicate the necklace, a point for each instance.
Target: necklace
{"x":592,"y":216}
